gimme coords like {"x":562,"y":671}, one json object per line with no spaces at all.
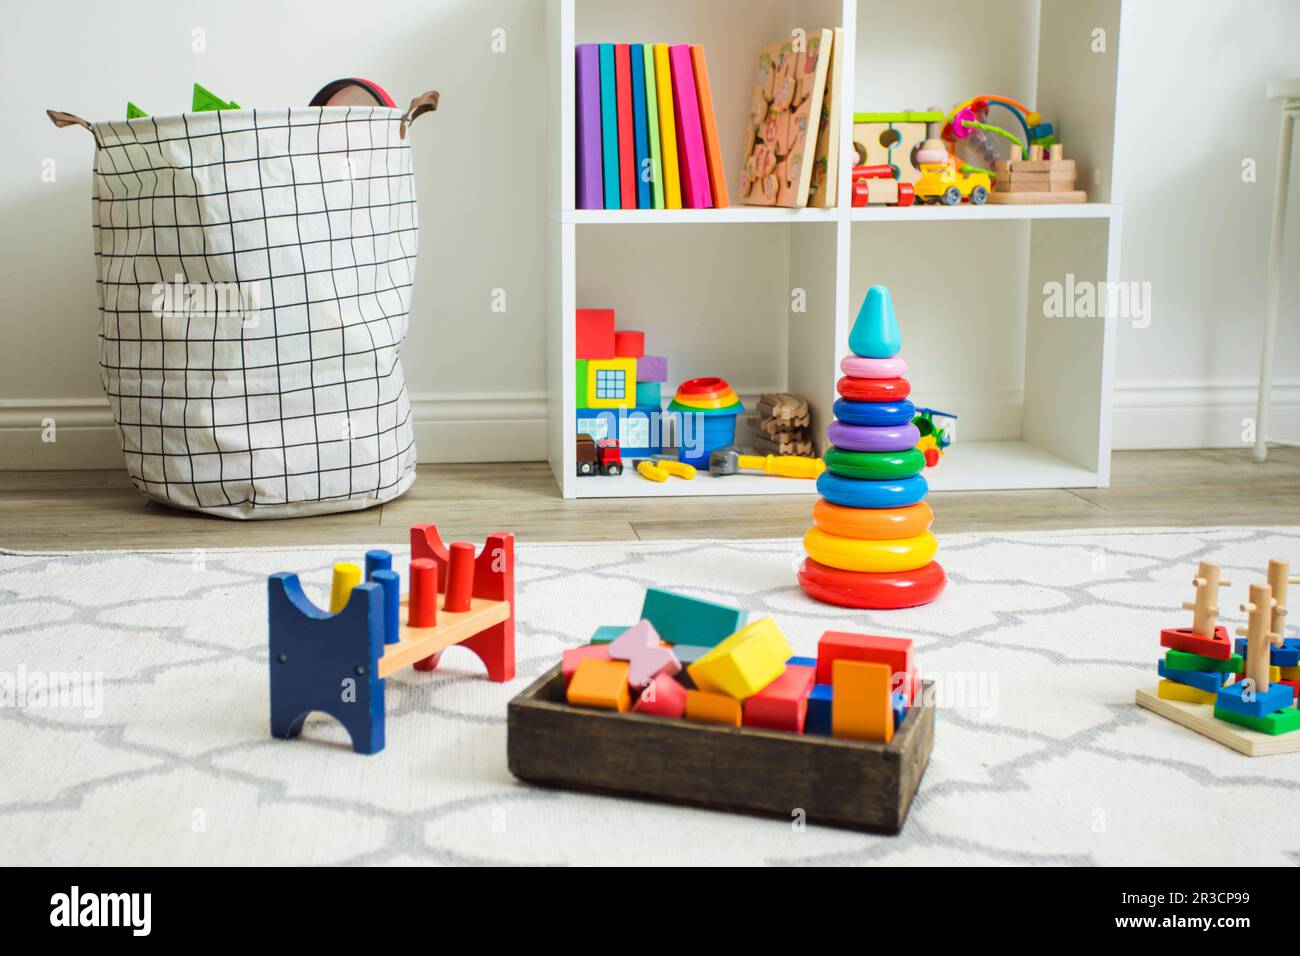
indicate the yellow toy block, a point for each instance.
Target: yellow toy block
{"x":861,"y":708}
{"x":611,"y":383}
{"x":1274,"y":674}
{"x":744,"y":663}
{"x":712,"y":708}
{"x":1288,"y":673}
{"x":1172,"y":690}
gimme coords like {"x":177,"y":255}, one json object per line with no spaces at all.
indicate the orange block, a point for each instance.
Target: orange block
{"x":602,"y":684}
{"x":861,"y":708}
{"x":713,"y":708}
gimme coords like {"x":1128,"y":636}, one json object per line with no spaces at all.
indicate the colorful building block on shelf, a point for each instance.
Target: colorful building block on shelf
{"x":602,"y":684}
{"x":580,"y":373}
{"x":652,"y":368}
{"x":681,"y":619}
{"x":595,"y":333}
{"x":1172,"y":690}
{"x":611,"y":383}
{"x":893,"y":651}
{"x":1212,"y":681}
{"x":863,"y":701}
{"x":575,"y":655}
{"x":818,"y":719}
{"x":629,"y":344}
{"x":649,"y":393}
{"x":782,"y":704}
{"x":744,"y":663}
{"x":663,"y":697}
{"x":712,"y":708}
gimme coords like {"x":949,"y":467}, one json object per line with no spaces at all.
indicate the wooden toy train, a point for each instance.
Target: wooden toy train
{"x":336,"y":661}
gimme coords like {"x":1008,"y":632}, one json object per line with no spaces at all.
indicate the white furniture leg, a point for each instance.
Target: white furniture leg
{"x":1289,"y":93}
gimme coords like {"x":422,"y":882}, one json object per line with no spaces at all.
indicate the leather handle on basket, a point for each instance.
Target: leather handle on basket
{"x":60,"y":119}
{"x":424,"y":103}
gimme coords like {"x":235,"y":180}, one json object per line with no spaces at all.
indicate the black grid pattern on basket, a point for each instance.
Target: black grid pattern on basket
{"x":254,"y":272}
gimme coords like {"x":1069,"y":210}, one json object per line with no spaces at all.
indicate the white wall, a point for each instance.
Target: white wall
{"x":1191,"y":226}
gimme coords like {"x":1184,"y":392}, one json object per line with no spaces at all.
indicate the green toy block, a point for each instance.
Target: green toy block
{"x":608,"y":633}
{"x":1187,"y":661}
{"x":580,"y":382}
{"x":1280,"y":722}
{"x":205,"y":100}
{"x":909,"y":116}
{"x":686,"y":620}
{"x":134,"y":112}
{"x":647,"y":393}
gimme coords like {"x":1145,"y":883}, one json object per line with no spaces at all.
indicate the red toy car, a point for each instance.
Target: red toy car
{"x":602,"y":457}
{"x":876,"y":186}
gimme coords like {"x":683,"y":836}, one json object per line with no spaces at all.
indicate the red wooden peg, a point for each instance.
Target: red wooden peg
{"x":422,"y":610}
{"x":460,"y":577}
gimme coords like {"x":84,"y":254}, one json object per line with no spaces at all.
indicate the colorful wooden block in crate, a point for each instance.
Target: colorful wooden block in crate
{"x":337,"y":661}
{"x":1236,"y":695}
{"x":693,"y":669}
{"x":871,"y":545}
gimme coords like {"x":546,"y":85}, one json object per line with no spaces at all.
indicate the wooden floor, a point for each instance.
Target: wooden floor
{"x":75,"y":510}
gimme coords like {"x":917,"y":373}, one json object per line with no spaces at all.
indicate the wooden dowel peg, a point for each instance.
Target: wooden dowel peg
{"x":1259,"y":651}
{"x":1204,"y":611}
{"x":460,"y":576}
{"x":422,"y":608}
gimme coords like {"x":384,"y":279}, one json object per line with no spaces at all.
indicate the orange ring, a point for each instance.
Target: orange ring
{"x":876,"y":524}
{"x":724,"y":400}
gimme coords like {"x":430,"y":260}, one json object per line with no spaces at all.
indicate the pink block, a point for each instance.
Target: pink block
{"x":640,"y":635}
{"x":652,"y":368}
{"x":663,"y":698}
{"x":573,"y":655}
{"x":651,"y":662}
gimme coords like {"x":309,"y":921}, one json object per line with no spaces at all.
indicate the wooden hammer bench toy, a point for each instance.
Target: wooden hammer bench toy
{"x":336,"y":661}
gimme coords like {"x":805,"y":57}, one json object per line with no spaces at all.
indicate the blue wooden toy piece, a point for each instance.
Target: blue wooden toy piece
{"x":801,"y":662}
{"x":900,"y":708}
{"x":875,"y":332}
{"x":1288,"y":655}
{"x":327,"y":662}
{"x":874,"y":414}
{"x":686,"y":620}
{"x":1211,"y":681}
{"x":818,"y":719}
{"x":1234,"y":698}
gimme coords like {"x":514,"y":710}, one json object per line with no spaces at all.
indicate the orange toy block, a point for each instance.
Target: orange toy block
{"x":574,"y":656}
{"x":602,"y":684}
{"x":713,"y":708}
{"x":862,"y":708}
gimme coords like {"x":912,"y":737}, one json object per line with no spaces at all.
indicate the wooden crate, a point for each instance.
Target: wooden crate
{"x":843,"y":783}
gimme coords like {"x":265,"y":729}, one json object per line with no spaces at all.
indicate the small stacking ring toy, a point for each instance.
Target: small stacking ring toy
{"x":878,"y":524}
{"x":879,"y":591}
{"x":871,"y":494}
{"x":693,"y":401}
{"x":861,"y":554}
{"x":874,"y":413}
{"x":873,"y":389}
{"x":855,"y":366}
{"x":710,"y":387}
{"x":875,"y":465}
{"x":865,"y":438}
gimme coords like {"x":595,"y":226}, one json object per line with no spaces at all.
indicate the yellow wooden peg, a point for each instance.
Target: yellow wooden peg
{"x":346,"y":577}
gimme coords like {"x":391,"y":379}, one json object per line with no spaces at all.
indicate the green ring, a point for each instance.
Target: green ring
{"x":875,"y":465}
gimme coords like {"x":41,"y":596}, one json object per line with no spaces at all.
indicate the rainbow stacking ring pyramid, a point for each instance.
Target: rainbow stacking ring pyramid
{"x":871,"y":545}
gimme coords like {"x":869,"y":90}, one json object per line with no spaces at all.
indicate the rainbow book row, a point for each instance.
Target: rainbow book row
{"x":647,"y":136}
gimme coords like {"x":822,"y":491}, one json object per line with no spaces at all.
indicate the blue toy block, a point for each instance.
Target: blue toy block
{"x":327,"y":662}
{"x":1288,"y":655}
{"x":818,"y":720}
{"x":801,"y":662}
{"x":378,"y":560}
{"x":640,"y":430}
{"x":900,"y":708}
{"x":606,"y":633}
{"x":686,"y":620}
{"x":1211,"y":681}
{"x":1232,"y":698}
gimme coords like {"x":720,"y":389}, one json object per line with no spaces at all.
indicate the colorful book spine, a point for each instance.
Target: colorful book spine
{"x":696,"y":193}
{"x":709,"y":125}
{"x":652,"y":128}
{"x":609,"y":126}
{"x":626,"y":140}
{"x":641,"y":135}
{"x":591,"y":182}
{"x":667,"y":128}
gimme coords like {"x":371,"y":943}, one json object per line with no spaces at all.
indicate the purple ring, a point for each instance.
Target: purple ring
{"x":873,"y":438}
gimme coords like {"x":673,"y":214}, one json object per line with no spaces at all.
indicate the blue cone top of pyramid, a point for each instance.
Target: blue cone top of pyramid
{"x":875,"y":331}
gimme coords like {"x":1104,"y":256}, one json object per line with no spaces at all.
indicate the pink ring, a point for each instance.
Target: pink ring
{"x":855,"y":366}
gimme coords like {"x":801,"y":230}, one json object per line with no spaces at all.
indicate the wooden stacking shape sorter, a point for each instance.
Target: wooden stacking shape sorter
{"x":1042,"y":178}
{"x":783,"y":423}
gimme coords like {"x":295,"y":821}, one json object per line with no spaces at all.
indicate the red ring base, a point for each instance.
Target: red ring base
{"x":872,"y":590}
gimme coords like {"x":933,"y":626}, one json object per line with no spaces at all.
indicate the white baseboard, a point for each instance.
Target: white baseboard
{"x":512,"y":427}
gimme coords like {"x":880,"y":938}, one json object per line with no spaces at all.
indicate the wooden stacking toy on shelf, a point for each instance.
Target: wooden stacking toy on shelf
{"x":783,"y":421}
{"x":1042,"y":178}
{"x":1241,"y":694}
{"x":696,"y":703}
{"x":336,"y":661}
{"x":871,"y":545}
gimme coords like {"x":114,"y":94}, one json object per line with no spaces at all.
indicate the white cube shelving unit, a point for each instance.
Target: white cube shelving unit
{"x":765,"y":297}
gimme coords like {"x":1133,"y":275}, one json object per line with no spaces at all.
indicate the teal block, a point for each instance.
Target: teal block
{"x":686,"y":620}
{"x":647,"y":393}
{"x":608,"y":633}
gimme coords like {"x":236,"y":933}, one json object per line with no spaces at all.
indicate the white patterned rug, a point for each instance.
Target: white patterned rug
{"x":1040,"y":755}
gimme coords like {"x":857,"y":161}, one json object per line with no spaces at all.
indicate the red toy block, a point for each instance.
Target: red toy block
{"x":782,"y":704}
{"x":629,"y":344}
{"x":573,"y":655}
{"x":894,"y":651}
{"x":595,"y":333}
{"x":663,"y":697}
{"x":1182,"y":639}
{"x":1294,"y":685}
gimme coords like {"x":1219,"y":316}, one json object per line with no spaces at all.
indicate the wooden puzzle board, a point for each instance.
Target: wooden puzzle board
{"x":1200,"y":718}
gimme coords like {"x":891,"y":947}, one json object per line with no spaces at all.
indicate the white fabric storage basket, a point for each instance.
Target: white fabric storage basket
{"x":254,"y":270}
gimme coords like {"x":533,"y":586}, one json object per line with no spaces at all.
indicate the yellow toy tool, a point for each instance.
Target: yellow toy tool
{"x":659,"y":469}
{"x":728,"y":461}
